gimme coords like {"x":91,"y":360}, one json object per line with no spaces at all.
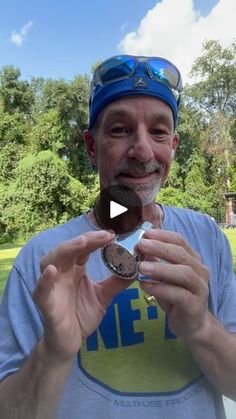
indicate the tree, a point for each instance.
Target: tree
{"x":75,"y":150}
{"x":13,"y":142}
{"x":42,"y":194}
{"x":49,"y":133}
{"x":197,"y":192}
{"x":214,"y":72}
{"x":16,"y":95}
{"x":189,"y":130}
{"x":214,"y":94}
{"x":70,"y":101}
{"x":13,"y":128}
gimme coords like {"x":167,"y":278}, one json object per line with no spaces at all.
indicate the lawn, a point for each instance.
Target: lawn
{"x":231,"y":234}
{"x":8,"y":253}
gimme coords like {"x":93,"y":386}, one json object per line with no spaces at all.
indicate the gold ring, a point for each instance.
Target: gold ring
{"x":151,"y":301}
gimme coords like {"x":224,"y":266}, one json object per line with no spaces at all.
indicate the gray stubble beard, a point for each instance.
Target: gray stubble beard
{"x":142,"y":195}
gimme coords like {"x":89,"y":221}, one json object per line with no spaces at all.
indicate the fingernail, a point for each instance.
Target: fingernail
{"x":146,"y":267}
{"x":106,"y":233}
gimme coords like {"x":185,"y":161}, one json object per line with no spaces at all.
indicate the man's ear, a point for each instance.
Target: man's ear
{"x":175,"y":143}
{"x":89,"y":143}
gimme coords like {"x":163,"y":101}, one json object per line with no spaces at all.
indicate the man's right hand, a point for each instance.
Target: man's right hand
{"x":72,"y":305}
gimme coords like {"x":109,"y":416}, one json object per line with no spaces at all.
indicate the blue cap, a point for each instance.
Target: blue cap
{"x":138,"y":84}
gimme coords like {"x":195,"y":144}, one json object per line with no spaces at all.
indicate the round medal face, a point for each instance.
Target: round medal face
{"x":120,"y":261}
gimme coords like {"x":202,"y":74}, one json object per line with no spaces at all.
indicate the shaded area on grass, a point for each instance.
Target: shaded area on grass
{"x":10,"y":246}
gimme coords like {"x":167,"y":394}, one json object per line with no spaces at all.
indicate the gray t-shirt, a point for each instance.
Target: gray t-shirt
{"x":132,"y":366}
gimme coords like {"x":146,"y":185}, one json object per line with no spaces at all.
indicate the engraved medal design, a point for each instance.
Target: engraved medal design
{"x":120,"y":256}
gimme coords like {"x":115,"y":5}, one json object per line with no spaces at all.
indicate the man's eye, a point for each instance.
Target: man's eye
{"x":118,"y":130}
{"x":160,"y":133}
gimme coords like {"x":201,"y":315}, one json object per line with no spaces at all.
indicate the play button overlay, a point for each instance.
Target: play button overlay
{"x":116,"y":209}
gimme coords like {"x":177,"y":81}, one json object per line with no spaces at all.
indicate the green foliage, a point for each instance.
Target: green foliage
{"x":43,"y":194}
{"x":74,"y":145}
{"x":197,"y":189}
{"x":195,"y":180}
{"x":174,"y":176}
{"x":232,"y":175}
{"x":57,"y":95}
{"x":10,"y":155}
{"x":65,"y":105}
{"x":233,"y":183}
{"x":16,"y":95}
{"x":214,"y":94}
{"x":69,"y":98}
{"x":198,"y":194}
{"x":189,"y":129}
{"x":49,"y":132}
{"x":13,"y":142}
{"x":215,"y":75}
{"x":13,"y":128}
{"x":171,"y":196}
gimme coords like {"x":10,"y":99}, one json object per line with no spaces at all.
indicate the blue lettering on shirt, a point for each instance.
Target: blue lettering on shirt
{"x":126,"y":315}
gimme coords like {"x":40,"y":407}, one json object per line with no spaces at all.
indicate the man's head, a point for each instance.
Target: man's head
{"x":133,"y":115}
{"x":125,"y":75}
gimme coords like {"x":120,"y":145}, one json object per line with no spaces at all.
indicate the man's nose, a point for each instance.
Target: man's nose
{"x":140,"y":145}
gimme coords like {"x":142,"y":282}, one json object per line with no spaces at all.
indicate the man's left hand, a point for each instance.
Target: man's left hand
{"x":180,"y":285}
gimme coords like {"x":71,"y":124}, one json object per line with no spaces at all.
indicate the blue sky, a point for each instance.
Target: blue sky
{"x":59,"y":39}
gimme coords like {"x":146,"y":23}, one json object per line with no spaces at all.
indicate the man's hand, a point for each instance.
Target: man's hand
{"x":180,"y":285}
{"x":71,"y":304}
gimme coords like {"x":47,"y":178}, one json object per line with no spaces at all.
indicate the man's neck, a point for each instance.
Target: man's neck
{"x":127,"y":221}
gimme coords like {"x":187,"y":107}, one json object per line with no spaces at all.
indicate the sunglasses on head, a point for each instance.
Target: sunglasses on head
{"x":122,"y":67}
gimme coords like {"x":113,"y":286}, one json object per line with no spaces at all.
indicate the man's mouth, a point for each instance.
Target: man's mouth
{"x":136,"y":175}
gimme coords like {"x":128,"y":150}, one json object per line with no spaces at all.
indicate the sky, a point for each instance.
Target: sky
{"x":60,"y":39}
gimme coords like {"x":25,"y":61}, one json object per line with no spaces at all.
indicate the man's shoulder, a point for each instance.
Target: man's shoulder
{"x":187,"y":219}
{"x":187,"y":212}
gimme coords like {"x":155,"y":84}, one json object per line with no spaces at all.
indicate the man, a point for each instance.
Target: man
{"x":77,"y":342}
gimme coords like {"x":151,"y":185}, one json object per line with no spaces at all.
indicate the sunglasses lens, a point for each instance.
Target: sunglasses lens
{"x":116,"y":68}
{"x":165,"y":72}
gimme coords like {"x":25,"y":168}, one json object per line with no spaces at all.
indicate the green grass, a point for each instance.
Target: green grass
{"x":8,"y":253}
{"x":231,"y":234}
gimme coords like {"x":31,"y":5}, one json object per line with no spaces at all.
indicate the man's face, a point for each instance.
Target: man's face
{"x":132,"y":145}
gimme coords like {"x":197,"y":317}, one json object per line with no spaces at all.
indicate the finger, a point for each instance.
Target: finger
{"x":173,"y":238}
{"x":45,"y":284}
{"x":94,"y":241}
{"x":172,"y":253}
{"x":162,"y":303}
{"x":169,"y":294}
{"x":110,"y":287}
{"x":76,"y":250}
{"x":181,"y":275}
{"x":141,"y":256}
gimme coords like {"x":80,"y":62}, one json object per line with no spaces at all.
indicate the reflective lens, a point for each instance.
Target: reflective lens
{"x":116,"y":68}
{"x":164,"y":71}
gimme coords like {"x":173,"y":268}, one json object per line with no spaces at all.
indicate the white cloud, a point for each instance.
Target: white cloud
{"x":174,"y":30}
{"x":18,"y":37}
